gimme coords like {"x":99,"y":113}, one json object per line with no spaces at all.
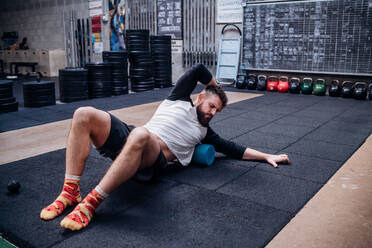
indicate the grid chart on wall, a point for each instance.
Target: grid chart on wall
{"x":333,"y":36}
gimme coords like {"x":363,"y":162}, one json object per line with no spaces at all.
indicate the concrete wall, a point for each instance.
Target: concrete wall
{"x":41,"y":21}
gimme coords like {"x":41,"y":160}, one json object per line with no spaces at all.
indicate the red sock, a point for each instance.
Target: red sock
{"x":69,"y":196}
{"x":83,"y":213}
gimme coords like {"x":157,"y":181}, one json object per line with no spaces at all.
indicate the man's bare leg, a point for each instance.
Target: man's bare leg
{"x":88,"y":125}
{"x":140,"y":151}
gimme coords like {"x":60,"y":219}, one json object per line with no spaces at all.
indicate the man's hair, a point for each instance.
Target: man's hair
{"x":217,"y":90}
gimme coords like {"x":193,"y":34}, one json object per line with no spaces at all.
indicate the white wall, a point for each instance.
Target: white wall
{"x":41,"y":21}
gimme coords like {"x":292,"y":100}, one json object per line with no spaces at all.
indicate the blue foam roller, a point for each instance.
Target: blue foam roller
{"x":203,"y":154}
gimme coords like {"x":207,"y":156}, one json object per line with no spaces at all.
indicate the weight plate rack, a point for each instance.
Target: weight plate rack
{"x":8,"y":102}
{"x":73,"y":84}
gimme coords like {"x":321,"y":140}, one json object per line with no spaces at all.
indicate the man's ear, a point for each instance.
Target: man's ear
{"x":200,"y":97}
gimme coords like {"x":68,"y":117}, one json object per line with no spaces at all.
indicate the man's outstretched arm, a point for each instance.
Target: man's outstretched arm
{"x":251,"y":154}
{"x":237,"y":151}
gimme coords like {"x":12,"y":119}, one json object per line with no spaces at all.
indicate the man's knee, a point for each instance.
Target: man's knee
{"x":140,"y":136}
{"x":83,"y":115}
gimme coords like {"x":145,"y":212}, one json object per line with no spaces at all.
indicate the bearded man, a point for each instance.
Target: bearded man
{"x":177,"y":126}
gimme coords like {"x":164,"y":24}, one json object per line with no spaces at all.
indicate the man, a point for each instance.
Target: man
{"x":172,"y":134}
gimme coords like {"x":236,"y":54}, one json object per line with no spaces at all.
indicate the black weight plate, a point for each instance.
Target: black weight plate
{"x":8,"y":107}
{"x":144,"y":82}
{"x":137,"y":31}
{"x":113,"y":54}
{"x":40,"y":99}
{"x":4,"y":84}
{"x":38,"y":90}
{"x":161,"y":37}
{"x":6,"y":91}
{"x":6,"y":87}
{"x":73,"y":99}
{"x":7,"y":100}
{"x":73,"y":84}
{"x":40,"y":84}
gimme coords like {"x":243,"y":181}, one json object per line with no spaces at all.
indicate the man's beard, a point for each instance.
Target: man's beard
{"x":203,"y":120}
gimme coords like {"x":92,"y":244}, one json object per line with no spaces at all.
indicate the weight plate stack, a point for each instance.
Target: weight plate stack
{"x":73,"y":84}
{"x":161,"y":53}
{"x":119,"y":70}
{"x":99,"y":80}
{"x":8,"y":103}
{"x":141,"y":64}
{"x":38,"y":94}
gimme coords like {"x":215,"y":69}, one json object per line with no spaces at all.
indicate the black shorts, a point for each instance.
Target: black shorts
{"x":119,"y":133}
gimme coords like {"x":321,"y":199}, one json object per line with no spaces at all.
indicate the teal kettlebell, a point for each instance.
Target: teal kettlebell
{"x":307,"y":86}
{"x":320,"y":87}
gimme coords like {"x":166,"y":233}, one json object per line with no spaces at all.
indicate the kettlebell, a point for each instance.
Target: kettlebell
{"x":261,"y":82}
{"x":240,"y":82}
{"x":272,"y":83}
{"x":283,"y":84}
{"x":370,"y":91}
{"x":360,"y":90}
{"x":307,"y":86}
{"x":347,"y":89}
{"x":294,"y":85}
{"x":252,"y":82}
{"x":320,"y":87}
{"x":334,"y":88}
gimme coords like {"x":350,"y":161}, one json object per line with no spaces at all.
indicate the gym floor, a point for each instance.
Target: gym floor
{"x":321,"y":199}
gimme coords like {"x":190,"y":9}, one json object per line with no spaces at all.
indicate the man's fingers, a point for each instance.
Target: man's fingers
{"x":273,"y":163}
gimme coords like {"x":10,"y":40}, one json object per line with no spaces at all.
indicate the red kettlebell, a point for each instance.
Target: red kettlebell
{"x":272,"y":83}
{"x":283,"y":84}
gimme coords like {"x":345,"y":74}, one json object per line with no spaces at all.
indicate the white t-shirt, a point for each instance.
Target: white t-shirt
{"x":176,"y":123}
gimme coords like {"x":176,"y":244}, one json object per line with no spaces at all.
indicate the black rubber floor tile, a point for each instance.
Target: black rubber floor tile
{"x":300,"y":121}
{"x":274,"y":190}
{"x":347,"y":127}
{"x":235,"y":126}
{"x":304,"y":167}
{"x":226,"y":113}
{"x":286,"y":129}
{"x":44,"y":115}
{"x":337,"y":137}
{"x":41,"y":180}
{"x":249,"y":104}
{"x":315,"y":114}
{"x":12,"y":121}
{"x":210,"y":177}
{"x":321,"y":150}
{"x":272,"y":141}
{"x":363,"y":120}
{"x":184,"y":216}
{"x":275,"y":109}
{"x":257,"y":115}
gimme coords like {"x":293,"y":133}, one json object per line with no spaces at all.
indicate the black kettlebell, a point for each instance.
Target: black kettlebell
{"x":370,"y":91}
{"x":334,"y":88}
{"x":294,"y":85}
{"x":240,"y":81}
{"x":252,"y":82}
{"x":360,"y":90}
{"x":261,"y":82}
{"x":347,"y":89}
{"x":13,"y":187}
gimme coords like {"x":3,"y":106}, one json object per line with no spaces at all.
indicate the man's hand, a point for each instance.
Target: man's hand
{"x":251,"y":154}
{"x":274,"y":159}
{"x":213,"y":82}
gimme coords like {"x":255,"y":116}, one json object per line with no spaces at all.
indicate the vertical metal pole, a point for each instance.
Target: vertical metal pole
{"x":73,"y":62}
{"x":64,"y":37}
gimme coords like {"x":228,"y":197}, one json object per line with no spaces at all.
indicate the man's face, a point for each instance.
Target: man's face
{"x":207,"y":107}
